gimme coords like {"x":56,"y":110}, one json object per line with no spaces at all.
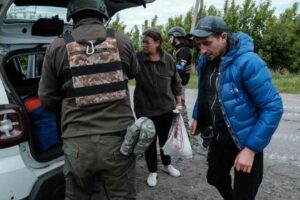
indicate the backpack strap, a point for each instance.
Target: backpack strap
{"x":110,"y":33}
{"x":68,"y":38}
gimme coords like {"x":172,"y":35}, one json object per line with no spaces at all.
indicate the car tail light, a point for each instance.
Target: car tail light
{"x":12,"y":126}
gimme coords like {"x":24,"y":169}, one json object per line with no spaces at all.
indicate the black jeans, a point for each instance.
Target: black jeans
{"x":162,"y":125}
{"x":220,"y":159}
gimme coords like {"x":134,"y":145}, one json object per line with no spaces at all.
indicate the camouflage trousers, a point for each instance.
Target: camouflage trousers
{"x":95,"y":169}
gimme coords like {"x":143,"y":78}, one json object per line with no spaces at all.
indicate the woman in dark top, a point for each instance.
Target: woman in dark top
{"x":157,"y":94}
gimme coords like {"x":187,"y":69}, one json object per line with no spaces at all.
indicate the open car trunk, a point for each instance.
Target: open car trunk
{"x":113,"y":6}
{"x":22,"y":70}
{"x":23,"y":43}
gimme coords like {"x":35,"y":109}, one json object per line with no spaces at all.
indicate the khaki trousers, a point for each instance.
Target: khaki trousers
{"x":95,"y":169}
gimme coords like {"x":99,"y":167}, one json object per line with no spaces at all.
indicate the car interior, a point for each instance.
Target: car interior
{"x":23,"y":72}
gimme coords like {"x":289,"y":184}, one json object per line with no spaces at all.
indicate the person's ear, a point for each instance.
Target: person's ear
{"x":224,"y":35}
{"x":157,"y":43}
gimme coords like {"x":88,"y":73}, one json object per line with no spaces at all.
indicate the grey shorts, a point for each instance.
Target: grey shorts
{"x":95,"y":169}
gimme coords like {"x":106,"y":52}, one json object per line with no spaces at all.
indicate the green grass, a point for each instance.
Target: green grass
{"x":193,"y":83}
{"x":285,"y":82}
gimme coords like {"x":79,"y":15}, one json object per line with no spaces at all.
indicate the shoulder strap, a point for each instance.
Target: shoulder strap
{"x":68,"y":38}
{"x":110,"y":33}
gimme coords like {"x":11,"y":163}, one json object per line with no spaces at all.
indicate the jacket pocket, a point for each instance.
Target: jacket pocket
{"x":163,"y":83}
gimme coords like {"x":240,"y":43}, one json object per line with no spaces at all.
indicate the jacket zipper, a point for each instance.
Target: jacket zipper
{"x":222,"y":107}
{"x":215,"y":98}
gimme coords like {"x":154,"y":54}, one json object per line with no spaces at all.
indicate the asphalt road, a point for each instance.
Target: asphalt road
{"x":281,"y":168}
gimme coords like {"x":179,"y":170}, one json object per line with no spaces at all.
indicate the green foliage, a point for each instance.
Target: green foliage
{"x":117,"y":24}
{"x":280,"y":43}
{"x":135,"y":37}
{"x":276,"y":38}
{"x":187,"y":21}
{"x":212,"y":10}
{"x":231,"y":16}
{"x":285,"y":82}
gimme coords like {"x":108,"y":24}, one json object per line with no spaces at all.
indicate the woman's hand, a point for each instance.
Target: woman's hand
{"x":193,"y":128}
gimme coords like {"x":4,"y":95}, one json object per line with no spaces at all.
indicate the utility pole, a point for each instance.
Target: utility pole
{"x":195,"y":13}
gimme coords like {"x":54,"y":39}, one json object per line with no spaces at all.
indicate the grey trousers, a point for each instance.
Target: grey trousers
{"x":95,"y":169}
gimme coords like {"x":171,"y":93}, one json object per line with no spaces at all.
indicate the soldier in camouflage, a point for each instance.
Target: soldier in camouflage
{"x":94,"y":116}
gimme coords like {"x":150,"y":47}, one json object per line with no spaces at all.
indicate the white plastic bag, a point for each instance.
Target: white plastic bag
{"x":178,"y":143}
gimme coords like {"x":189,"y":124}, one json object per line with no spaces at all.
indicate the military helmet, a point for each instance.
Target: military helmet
{"x":177,"y":31}
{"x":75,"y":6}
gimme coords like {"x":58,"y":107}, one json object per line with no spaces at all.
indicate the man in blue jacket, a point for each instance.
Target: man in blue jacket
{"x":238,"y":103}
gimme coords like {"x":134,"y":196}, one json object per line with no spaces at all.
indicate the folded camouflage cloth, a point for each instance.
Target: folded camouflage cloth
{"x":138,"y":137}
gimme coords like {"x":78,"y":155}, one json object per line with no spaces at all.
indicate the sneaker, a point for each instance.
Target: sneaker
{"x":172,"y":171}
{"x":151,"y":180}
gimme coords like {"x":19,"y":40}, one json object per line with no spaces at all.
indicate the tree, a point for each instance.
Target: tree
{"x":118,"y":25}
{"x":212,"y":10}
{"x":187,"y":21}
{"x":135,"y":37}
{"x":246,"y":16}
{"x":281,"y":52}
{"x":276,"y":39}
{"x":231,"y":16}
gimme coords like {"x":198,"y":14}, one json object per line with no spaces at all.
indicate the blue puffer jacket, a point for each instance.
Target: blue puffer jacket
{"x":250,"y":102}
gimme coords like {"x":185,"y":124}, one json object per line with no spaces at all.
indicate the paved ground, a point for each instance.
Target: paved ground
{"x":281,"y":171}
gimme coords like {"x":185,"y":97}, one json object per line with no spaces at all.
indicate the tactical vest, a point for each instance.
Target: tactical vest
{"x":182,"y":63}
{"x":95,"y":70}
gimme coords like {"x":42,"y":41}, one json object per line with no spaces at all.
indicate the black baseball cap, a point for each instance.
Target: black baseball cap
{"x":207,"y":26}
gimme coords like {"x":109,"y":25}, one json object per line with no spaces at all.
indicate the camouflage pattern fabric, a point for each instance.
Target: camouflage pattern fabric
{"x":147,"y":134}
{"x":105,"y":52}
{"x":138,"y":137}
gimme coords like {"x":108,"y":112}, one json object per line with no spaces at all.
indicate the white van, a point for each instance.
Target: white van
{"x":31,"y":168}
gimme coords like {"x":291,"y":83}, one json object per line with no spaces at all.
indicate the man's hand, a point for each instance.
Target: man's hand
{"x":244,"y":160}
{"x":193,"y":128}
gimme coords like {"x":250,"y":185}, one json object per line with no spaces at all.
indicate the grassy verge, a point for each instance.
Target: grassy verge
{"x":287,"y":82}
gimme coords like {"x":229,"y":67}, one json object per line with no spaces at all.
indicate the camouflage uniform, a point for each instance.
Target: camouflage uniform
{"x":92,"y":135}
